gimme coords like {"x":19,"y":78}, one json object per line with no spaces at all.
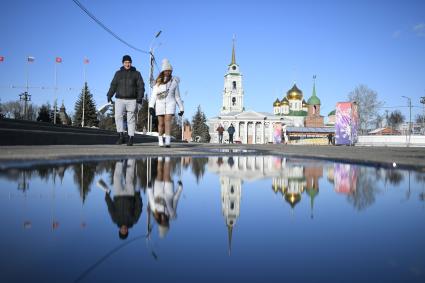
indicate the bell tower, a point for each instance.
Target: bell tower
{"x":233,"y":91}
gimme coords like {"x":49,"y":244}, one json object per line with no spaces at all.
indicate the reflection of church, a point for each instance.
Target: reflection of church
{"x":290,"y":177}
{"x":253,"y":127}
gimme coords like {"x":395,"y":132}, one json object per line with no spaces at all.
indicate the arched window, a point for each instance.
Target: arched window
{"x":234,"y":84}
{"x":314,"y":109}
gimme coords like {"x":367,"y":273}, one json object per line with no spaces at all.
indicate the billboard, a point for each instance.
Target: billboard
{"x":346,"y":123}
{"x":277,"y":133}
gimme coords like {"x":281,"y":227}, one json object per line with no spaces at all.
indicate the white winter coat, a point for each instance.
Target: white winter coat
{"x":165,"y":96}
{"x":162,"y":198}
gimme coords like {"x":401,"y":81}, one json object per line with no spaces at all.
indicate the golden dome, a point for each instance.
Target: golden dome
{"x":294,"y":93}
{"x":284,"y":101}
{"x":276,"y":103}
{"x":293,"y":199}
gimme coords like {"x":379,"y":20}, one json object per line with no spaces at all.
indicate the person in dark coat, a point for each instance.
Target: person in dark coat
{"x":129,"y":89}
{"x":220,"y":131}
{"x":231,"y":131}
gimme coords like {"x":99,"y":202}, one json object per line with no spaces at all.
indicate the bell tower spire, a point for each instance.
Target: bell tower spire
{"x":233,"y":52}
{"x":233,"y":91}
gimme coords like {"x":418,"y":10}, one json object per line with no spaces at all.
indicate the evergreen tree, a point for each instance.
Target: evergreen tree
{"x":395,"y":119}
{"x":199,"y":126}
{"x":84,"y":174}
{"x":90,"y":113}
{"x":44,"y":114}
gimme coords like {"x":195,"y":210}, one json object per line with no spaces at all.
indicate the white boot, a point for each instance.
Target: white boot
{"x":167,"y":141}
{"x":160,"y":141}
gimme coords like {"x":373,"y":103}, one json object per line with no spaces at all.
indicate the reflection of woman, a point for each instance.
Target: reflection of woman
{"x":165,"y":96}
{"x":162,"y":198}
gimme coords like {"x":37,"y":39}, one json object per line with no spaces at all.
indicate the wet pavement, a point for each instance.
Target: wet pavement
{"x":382,"y":156}
{"x":228,"y":214}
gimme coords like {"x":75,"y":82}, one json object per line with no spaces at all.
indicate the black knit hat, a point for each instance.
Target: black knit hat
{"x":126,"y":58}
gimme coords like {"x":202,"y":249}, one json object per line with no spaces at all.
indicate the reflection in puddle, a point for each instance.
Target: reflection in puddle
{"x":172,"y":210}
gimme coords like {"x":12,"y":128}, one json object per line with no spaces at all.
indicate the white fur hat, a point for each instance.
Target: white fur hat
{"x":166,"y":66}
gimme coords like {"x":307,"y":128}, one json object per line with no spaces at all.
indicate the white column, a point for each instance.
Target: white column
{"x":246,"y":132}
{"x":255,"y":133}
{"x":262,"y":132}
{"x":271,"y":132}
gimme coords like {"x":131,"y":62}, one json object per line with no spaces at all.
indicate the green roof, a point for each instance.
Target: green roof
{"x":332,"y":113}
{"x":314,"y":100}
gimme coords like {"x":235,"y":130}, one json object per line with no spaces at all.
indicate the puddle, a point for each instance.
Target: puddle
{"x":227,"y":218}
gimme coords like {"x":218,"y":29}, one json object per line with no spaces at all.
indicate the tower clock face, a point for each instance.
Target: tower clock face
{"x":234,"y":67}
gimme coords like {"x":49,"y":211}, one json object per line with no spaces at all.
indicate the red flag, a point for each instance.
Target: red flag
{"x":1,"y":58}
{"x":30,"y":59}
{"x":58,"y":60}
{"x":86,"y":61}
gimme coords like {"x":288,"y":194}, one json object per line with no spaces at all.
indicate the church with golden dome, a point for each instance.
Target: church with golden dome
{"x":297,"y":120}
{"x":294,"y":107}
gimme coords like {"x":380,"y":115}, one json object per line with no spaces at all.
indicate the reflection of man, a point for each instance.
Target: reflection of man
{"x":126,"y":207}
{"x":162,"y":198}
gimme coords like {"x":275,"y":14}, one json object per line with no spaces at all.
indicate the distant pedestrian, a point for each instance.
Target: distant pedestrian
{"x":329,"y":138}
{"x":231,"y":131}
{"x":129,"y":88}
{"x":285,"y":134}
{"x":165,"y":96}
{"x":220,"y":131}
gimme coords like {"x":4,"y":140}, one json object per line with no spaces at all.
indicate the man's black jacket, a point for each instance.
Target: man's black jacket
{"x":127,"y":84}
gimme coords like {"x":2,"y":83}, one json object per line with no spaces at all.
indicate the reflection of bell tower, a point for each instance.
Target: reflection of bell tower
{"x":233,"y":91}
{"x":313,"y":174}
{"x":230,"y":203}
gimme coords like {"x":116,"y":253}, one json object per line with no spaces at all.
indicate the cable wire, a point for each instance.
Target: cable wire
{"x":107,"y":29}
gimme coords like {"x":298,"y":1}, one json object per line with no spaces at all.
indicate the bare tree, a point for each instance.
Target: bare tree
{"x":15,"y":110}
{"x":368,"y":105}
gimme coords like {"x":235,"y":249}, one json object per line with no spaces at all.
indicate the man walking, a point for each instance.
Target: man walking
{"x":129,"y":88}
{"x":231,"y":131}
{"x":220,"y":131}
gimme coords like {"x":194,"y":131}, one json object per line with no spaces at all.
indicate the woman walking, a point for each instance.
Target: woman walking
{"x":165,"y":96}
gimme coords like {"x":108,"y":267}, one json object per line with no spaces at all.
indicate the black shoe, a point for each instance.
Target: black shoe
{"x":120,"y":138}
{"x":167,"y":146}
{"x":130,"y":141}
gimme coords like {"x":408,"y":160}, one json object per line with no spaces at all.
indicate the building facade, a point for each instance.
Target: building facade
{"x":252,"y":127}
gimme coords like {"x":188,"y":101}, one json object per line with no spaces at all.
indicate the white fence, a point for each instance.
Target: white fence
{"x":401,"y":141}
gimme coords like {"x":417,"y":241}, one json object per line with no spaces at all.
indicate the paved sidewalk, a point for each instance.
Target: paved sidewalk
{"x":384,"y":156}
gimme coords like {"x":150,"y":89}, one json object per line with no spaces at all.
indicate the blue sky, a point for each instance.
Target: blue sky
{"x":345,"y":43}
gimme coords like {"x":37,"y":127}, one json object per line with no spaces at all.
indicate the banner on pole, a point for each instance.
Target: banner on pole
{"x":86,"y":61}
{"x":58,"y":60}
{"x":1,"y":58}
{"x":30,"y":59}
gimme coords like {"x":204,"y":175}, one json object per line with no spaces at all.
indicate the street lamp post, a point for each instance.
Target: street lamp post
{"x":423,"y":114}
{"x":410,"y":116}
{"x":25,"y":97}
{"x":151,"y":82}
